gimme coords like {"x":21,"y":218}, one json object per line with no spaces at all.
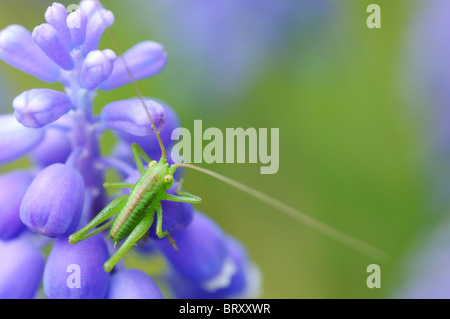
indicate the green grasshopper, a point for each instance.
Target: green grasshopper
{"x":136,"y":211}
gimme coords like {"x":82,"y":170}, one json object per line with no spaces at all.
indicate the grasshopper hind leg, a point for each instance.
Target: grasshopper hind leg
{"x":138,"y":232}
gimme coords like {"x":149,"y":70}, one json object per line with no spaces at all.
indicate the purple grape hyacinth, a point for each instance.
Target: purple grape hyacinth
{"x":63,"y":188}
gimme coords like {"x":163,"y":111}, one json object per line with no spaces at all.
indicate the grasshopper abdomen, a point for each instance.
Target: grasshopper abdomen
{"x":150,"y":187}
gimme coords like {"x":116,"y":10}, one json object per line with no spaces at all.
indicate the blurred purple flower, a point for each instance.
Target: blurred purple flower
{"x":224,"y":45}
{"x":63,"y":189}
{"x":133,"y":284}
{"x":20,"y":270}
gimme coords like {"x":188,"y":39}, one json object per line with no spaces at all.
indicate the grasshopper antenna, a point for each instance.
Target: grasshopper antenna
{"x":334,"y":233}
{"x":133,"y":81}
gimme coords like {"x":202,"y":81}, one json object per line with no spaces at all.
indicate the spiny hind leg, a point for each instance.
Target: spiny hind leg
{"x":137,"y":233}
{"x":137,"y":152}
{"x":159,"y":232}
{"x":104,"y":214}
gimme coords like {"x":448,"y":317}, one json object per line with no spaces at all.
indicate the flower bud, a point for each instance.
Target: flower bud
{"x":13,"y":186}
{"x":20,"y":270}
{"x":145,"y":59}
{"x":97,"y":23}
{"x":16,"y":140}
{"x":133,"y":284}
{"x":149,"y":143}
{"x":129,"y":116}
{"x":39,"y":107}
{"x":76,"y":22}
{"x":76,"y":271}
{"x":54,"y":148}
{"x":53,"y":203}
{"x":244,"y":283}
{"x":97,"y":67}
{"x":46,"y":37}
{"x":56,"y":15}
{"x":18,"y":49}
{"x":202,"y":256}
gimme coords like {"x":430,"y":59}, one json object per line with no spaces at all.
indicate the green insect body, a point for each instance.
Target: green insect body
{"x":135,"y":212}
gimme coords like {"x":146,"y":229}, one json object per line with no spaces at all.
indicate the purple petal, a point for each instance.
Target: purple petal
{"x":150,"y":143}
{"x":96,"y":68}
{"x":54,"y":148}
{"x":202,"y":251}
{"x":56,"y":15}
{"x":76,"y":271}
{"x":46,"y":37}
{"x":130,"y":117}
{"x":20,"y":270}
{"x":16,"y":140}
{"x":244,"y":283}
{"x":96,"y":25}
{"x":53,"y":203}
{"x":13,"y":186}
{"x":39,"y":107}
{"x":145,"y":59}
{"x":133,"y":284}
{"x":76,"y":22}
{"x":18,"y":49}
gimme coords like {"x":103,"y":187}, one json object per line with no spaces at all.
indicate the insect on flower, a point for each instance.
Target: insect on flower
{"x":136,"y":211}
{"x":65,"y":188}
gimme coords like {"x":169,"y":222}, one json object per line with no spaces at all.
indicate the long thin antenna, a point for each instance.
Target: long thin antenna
{"x":133,"y":81}
{"x":334,"y":233}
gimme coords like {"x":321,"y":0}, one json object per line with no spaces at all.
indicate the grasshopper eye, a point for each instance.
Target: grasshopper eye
{"x":168,"y":179}
{"x":152,"y":163}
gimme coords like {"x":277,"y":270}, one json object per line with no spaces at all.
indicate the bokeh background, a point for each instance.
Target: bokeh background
{"x":356,"y":126}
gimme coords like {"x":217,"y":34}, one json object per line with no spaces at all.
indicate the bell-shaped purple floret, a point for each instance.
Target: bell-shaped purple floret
{"x":18,"y":49}
{"x":46,"y":37}
{"x":97,"y":23}
{"x":53,"y":203}
{"x":16,"y":140}
{"x":244,"y":283}
{"x":145,"y":59}
{"x":56,"y":15}
{"x":201,"y":255}
{"x":133,"y":284}
{"x":76,"y":271}
{"x":38,"y":107}
{"x":129,"y":116}
{"x":20,"y":270}
{"x":149,"y":143}
{"x":54,"y":148}
{"x":76,"y":22}
{"x":97,"y":67}
{"x":13,"y":186}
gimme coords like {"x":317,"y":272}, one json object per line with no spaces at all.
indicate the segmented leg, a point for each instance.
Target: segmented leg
{"x":137,"y":152}
{"x":106,"y":213}
{"x":159,"y":232}
{"x":117,"y":185}
{"x":137,"y":233}
{"x":184,"y":198}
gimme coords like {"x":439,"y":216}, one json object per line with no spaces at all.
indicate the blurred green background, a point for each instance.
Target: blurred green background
{"x":349,"y":144}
